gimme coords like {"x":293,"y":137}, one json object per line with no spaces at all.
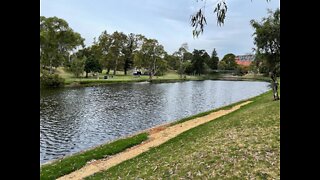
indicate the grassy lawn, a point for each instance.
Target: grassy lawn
{"x":170,"y":76}
{"x":244,"y":144}
{"x":75,"y":162}
{"x":120,"y":77}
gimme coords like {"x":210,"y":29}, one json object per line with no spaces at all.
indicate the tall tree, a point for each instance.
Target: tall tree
{"x":180,"y":54}
{"x":57,"y":40}
{"x":267,"y":41}
{"x":117,"y":48}
{"x":150,"y":56}
{"x":213,"y":61}
{"x":104,"y":43}
{"x":198,"y":60}
{"x":230,"y":61}
{"x":128,"y":51}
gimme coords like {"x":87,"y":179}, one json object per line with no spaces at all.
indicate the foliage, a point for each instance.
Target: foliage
{"x":222,"y":65}
{"x":198,"y":19}
{"x":173,"y":61}
{"x":77,"y":66}
{"x":198,"y":61}
{"x":241,"y":70}
{"x":128,"y":52}
{"x":57,"y":39}
{"x":51,"y":80}
{"x":150,"y":56}
{"x":230,"y":62}
{"x":92,"y":65}
{"x":213,"y":61}
{"x":267,"y":40}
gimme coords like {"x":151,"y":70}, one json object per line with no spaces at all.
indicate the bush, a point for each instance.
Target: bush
{"x":51,"y":80}
{"x":241,"y":70}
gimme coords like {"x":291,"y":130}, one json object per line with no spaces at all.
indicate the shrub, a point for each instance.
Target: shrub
{"x":241,"y":70}
{"x":51,"y":80}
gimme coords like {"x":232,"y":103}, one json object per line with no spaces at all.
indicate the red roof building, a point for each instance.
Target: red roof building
{"x":244,"y":60}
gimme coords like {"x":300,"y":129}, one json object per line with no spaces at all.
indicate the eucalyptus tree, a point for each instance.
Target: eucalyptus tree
{"x":117,"y":49}
{"x":180,"y":54}
{"x":57,"y":41}
{"x":104,"y":42}
{"x":150,"y":56}
{"x":267,"y":41}
{"x":128,"y":51}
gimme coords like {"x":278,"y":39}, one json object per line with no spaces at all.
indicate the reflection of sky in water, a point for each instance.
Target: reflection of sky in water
{"x":75,"y":119}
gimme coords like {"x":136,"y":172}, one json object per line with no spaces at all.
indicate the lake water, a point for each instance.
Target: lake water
{"x":75,"y":119}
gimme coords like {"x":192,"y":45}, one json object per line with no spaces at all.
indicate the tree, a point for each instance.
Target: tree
{"x":77,"y":66}
{"x":259,"y":65}
{"x":104,"y":43}
{"x":180,"y":54}
{"x":57,"y":40}
{"x":92,"y":65}
{"x":222,"y":65}
{"x":117,"y":48}
{"x":198,"y":19}
{"x":173,"y":61}
{"x":150,"y":56}
{"x":267,"y":41}
{"x":198,"y":60}
{"x":128,"y":52}
{"x":230,"y":61}
{"x":213,"y":61}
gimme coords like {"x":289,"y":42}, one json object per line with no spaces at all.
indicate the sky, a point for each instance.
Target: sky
{"x":168,"y":21}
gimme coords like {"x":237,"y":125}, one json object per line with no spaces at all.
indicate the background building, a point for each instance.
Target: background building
{"x":244,"y":60}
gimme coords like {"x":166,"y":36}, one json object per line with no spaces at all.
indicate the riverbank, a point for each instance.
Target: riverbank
{"x":157,"y":136}
{"x":56,"y":170}
{"x":244,"y":144}
{"x":169,"y":77}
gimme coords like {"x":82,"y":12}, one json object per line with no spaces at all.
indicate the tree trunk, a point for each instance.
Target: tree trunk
{"x":86,"y":74}
{"x":125,"y":71}
{"x":275,"y":86}
{"x":50,"y":70}
{"x":108,"y":70}
{"x":115,"y":68}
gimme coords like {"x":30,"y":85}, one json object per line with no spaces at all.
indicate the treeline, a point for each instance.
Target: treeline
{"x":61,"y":46}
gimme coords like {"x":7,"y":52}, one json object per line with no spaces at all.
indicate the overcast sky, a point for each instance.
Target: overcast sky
{"x":164,"y":20}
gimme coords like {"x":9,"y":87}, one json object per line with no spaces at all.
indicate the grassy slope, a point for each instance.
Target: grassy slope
{"x":72,"y":163}
{"x":244,"y":144}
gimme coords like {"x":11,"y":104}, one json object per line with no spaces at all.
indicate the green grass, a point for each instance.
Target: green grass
{"x":170,"y":76}
{"x":75,"y":162}
{"x":244,"y":144}
{"x":206,"y":113}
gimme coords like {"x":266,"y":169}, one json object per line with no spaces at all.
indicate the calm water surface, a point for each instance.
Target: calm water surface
{"x":74,"y":119}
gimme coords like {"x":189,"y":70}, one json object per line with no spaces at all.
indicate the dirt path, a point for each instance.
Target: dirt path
{"x":158,"y":135}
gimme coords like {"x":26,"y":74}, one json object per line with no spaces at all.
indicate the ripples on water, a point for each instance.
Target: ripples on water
{"x":75,"y":119}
